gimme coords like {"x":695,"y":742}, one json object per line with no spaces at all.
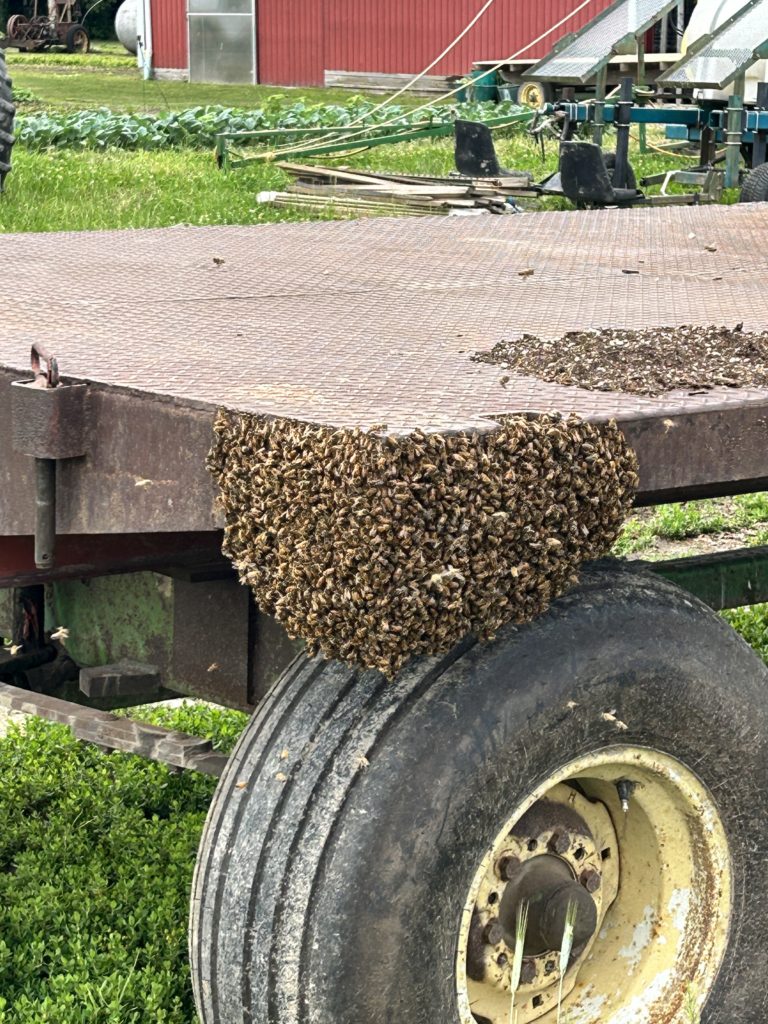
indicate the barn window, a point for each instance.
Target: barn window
{"x":222,"y":41}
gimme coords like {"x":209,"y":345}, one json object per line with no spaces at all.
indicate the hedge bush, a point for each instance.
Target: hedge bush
{"x":96,"y":859}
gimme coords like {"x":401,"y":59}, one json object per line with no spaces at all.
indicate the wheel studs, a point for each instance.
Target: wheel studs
{"x":507,"y":867}
{"x":528,"y":972}
{"x":493,"y":934}
{"x":560,"y":842}
{"x":591,"y":880}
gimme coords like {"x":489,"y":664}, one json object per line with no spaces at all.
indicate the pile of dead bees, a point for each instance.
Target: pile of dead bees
{"x":649,"y":361}
{"x":375,"y":548}
{"x":368,"y":194}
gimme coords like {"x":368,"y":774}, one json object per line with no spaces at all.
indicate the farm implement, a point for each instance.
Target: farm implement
{"x":60,"y":25}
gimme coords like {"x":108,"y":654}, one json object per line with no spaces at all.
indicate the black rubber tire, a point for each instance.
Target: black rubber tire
{"x":755,"y":187}
{"x":73,"y":33}
{"x":7,"y":114}
{"x":347,"y":828}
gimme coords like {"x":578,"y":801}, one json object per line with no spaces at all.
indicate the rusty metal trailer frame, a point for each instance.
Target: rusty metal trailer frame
{"x":355,"y":324}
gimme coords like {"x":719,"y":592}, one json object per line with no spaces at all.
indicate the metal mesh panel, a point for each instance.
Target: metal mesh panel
{"x":612,"y":31}
{"x":730,"y":52}
{"x":361,"y":323}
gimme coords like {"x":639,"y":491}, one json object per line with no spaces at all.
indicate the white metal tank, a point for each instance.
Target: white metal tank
{"x":707,"y":16}
{"x":126,"y":24}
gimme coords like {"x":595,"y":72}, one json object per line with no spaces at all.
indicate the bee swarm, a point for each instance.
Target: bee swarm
{"x":376,"y":548}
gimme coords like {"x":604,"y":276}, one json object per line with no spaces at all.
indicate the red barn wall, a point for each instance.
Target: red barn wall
{"x":298,"y":40}
{"x":301,"y":39}
{"x":291,"y":41}
{"x":169,"y":34}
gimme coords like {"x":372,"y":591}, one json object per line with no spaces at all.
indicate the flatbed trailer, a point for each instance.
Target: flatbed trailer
{"x":375,"y":844}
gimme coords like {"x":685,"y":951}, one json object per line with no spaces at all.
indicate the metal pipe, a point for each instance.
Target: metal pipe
{"x":144,"y":51}
{"x":760,"y":143}
{"x":597,"y":128}
{"x":623,"y":119}
{"x":643,"y":129}
{"x":45,"y":512}
{"x":733,"y":134}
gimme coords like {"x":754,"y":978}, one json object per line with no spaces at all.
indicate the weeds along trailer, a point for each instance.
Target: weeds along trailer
{"x":492,"y":737}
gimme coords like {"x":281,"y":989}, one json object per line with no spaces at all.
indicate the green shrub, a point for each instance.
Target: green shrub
{"x":96,"y":859}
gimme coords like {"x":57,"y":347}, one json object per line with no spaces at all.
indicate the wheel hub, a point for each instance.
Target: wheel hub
{"x":546,"y":885}
{"x":564,"y":849}
{"x":634,"y":842}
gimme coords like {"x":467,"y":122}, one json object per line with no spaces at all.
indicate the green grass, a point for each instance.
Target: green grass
{"x":691,"y":519}
{"x":61,"y":190}
{"x":110,"y":56}
{"x":72,"y":87}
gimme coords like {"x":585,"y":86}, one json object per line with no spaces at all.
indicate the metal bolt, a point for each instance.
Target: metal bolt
{"x":507,"y":867}
{"x":591,"y":880}
{"x":560,"y":841}
{"x":493,"y":933}
{"x":625,"y":789}
{"x":528,"y":972}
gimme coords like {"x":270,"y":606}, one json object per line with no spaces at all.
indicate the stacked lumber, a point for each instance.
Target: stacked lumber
{"x":368,"y":194}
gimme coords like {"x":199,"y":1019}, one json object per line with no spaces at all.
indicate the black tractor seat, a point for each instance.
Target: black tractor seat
{"x":475,"y":152}
{"x":586,"y":180}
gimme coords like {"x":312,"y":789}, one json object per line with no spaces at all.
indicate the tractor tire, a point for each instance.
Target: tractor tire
{"x":7,"y":114}
{"x":755,"y":187}
{"x":337,"y":878}
{"x":77,"y":40}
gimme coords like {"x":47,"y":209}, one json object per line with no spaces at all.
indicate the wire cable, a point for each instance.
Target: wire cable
{"x":278,"y":154}
{"x":428,"y":68}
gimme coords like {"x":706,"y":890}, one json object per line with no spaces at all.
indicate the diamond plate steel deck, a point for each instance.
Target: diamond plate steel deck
{"x":730,"y":51}
{"x":367,"y":323}
{"x":580,"y":56}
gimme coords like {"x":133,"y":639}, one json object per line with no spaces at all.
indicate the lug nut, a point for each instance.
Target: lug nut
{"x":493,"y":933}
{"x":591,"y":880}
{"x":507,"y":867}
{"x":560,"y":842}
{"x":528,"y":972}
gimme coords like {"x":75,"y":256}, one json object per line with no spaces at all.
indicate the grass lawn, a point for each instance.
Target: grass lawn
{"x":71,"y":87}
{"x":97,"y":850}
{"x":65,"y":189}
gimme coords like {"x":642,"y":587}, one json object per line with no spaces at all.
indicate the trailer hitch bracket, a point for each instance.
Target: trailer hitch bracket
{"x":49,"y":423}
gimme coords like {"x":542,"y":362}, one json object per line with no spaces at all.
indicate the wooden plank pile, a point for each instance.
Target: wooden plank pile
{"x":368,"y":194}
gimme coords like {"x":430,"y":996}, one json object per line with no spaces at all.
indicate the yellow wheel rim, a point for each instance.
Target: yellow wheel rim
{"x":531,"y":94}
{"x":659,"y":875}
